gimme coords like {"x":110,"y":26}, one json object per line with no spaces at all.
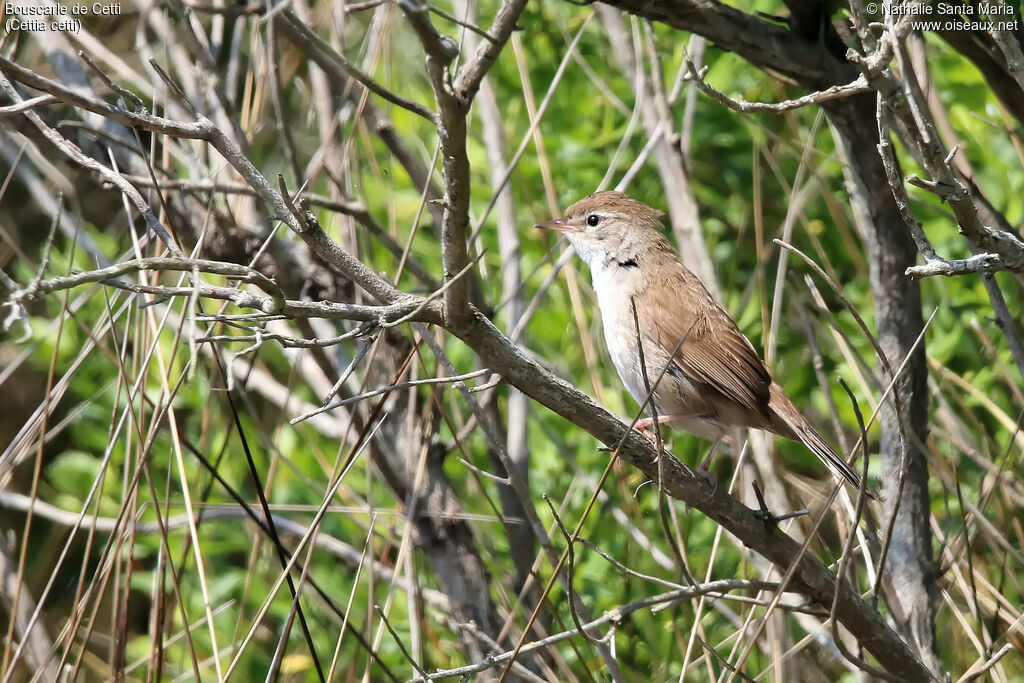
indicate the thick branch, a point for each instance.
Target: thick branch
{"x":762,"y":43}
{"x":451,"y":134}
{"x":979,"y":47}
{"x":469,"y":78}
{"x":811,"y":576}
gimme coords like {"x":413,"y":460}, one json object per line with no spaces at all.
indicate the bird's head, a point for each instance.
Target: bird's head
{"x":611,"y":227}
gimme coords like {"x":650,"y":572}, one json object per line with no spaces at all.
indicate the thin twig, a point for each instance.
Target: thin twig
{"x":610,"y":617}
{"x":315,"y":43}
{"x":742,"y":106}
{"x":24,"y":105}
{"x":571,"y":577}
{"x":389,"y":389}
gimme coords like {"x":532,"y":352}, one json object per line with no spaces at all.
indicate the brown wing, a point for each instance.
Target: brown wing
{"x":713,"y":350}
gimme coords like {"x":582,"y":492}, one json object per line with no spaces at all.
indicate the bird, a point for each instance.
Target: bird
{"x":707,"y":376}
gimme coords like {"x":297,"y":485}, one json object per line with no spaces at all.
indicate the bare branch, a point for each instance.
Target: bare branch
{"x":470,"y":76}
{"x":72,"y":151}
{"x":407,"y":308}
{"x":312,"y":43}
{"x":979,"y":263}
{"x":905,"y":104}
{"x":387,"y":390}
{"x":613,"y":617}
{"x":344,"y":206}
{"x":678,"y":481}
{"x":146,"y":121}
{"x":204,"y":129}
{"x":899,"y":193}
{"x":453,"y":101}
{"x":762,"y":43}
{"x":742,"y":106}
{"x":440,"y":49}
{"x":24,"y":105}
{"x":233,"y":270}
{"x":1009,"y":44}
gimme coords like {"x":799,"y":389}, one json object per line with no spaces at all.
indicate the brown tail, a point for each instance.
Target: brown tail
{"x":789,"y":422}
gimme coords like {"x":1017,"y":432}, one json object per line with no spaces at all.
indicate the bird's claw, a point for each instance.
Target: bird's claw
{"x":711,"y":478}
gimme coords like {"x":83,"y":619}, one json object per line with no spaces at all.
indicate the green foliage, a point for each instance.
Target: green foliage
{"x":578,"y":136}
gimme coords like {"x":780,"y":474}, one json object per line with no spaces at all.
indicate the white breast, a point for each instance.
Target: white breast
{"x":614,"y":287}
{"x":675,"y":394}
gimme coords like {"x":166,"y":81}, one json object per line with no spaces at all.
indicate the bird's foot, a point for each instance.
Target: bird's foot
{"x":647,"y":422}
{"x":645,"y":425}
{"x":711,"y":478}
{"x":704,"y":469}
{"x":705,"y":464}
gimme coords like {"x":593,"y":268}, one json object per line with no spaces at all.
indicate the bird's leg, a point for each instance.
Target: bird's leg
{"x":706,"y":464}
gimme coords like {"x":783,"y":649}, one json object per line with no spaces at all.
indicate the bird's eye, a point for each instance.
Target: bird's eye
{"x":593,"y":219}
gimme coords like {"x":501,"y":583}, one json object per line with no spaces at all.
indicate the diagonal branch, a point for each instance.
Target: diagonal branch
{"x":314,"y":45}
{"x":454,"y":100}
{"x":303,"y":224}
{"x":72,"y":152}
{"x":762,"y":43}
{"x":472,"y":74}
{"x":810,"y":577}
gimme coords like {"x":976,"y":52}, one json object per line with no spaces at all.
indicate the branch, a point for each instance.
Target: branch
{"x":27,"y":104}
{"x":291,"y":27}
{"x":810,"y":577}
{"x":979,"y":263}
{"x":904,"y":103}
{"x":204,"y":129}
{"x":1009,"y":45}
{"x":407,"y":308}
{"x":453,"y":103}
{"x":355,"y":209}
{"x":614,"y":617}
{"x":75,"y":154}
{"x":312,"y":44}
{"x":470,"y":76}
{"x":1007,"y":247}
{"x":439,"y":47}
{"x":233,"y":270}
{"x":835,"y":92}
{"x":770,"y":46}
{"x":764,"y":44}
{"x":899,"y":192}
{"x":144,"y":120}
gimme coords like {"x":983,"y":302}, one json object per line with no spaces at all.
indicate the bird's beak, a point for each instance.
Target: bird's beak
{"x":561,"y":225}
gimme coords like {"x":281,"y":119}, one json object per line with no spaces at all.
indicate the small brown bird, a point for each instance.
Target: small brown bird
{"x":711,"y":378}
